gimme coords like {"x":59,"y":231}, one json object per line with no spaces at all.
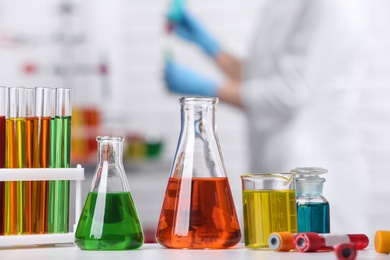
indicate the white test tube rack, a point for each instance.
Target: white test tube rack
{"x":44,"y":174}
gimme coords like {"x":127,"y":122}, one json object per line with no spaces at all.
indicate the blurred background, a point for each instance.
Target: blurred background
{"x":111,"y":53}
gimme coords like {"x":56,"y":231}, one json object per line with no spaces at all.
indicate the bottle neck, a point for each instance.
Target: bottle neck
{"x":309,"y":186}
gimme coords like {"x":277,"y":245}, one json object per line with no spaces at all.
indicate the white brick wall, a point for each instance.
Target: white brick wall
{"x":131,"y":33}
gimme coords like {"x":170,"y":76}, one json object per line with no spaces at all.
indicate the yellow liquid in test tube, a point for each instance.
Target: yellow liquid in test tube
{"x":267,"y":211}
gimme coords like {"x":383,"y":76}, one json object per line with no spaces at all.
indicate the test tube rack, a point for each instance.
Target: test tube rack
{"x":44,"y":174}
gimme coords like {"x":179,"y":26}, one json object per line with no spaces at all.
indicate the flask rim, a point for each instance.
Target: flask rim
{"x":102,"y":138}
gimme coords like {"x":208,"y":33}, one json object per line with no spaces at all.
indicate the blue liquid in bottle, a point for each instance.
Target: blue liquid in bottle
{"x":312,"y":208}
{"x":313,"y":217}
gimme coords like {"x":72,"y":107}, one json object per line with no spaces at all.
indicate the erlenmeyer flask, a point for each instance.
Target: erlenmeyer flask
{"x":109,"y":220}
{"x":198,"y":209}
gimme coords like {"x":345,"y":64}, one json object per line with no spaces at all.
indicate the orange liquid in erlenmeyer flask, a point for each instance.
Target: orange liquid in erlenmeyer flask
{"x":198,"y":213}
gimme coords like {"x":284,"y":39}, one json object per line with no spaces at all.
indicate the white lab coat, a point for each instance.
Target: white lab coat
{"x":300,"y":99}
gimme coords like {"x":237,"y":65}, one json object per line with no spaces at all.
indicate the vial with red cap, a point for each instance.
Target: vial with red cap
{"x":312,"y":242}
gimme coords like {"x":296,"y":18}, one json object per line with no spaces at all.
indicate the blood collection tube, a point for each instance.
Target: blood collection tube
{"x":345,"y":251}
{"x":281,"y":241}
{"x":382,"y":242}
{"x":312,"y":242}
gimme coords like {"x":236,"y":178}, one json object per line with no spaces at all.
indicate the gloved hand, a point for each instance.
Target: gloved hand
{"x":182,"y":80}
{"x":191,"y":29}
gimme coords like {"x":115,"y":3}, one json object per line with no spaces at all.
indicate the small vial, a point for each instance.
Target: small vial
{"x":313,"y":211}
{"x":312,"y":242}
{"x":382,"y":242}
{"x":345,"y":251}
{"x":281,"y":241}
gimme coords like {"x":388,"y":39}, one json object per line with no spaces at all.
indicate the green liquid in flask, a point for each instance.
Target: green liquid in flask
{"x":109,"y":221}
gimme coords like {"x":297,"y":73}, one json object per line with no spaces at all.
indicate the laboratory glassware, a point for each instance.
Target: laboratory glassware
{"x":198,"y":209}
{"x":62,"y":158}
{"x":15,"y":157}
{"x":109,"y":220}
{"x":43,"y":102}
{"x":30,"y":210}
{"x":51,"y":184}
{"x":269,"y":205}
{"x":3,"y":99}
{"x":312,"y":242}
{"x":313,"y":209}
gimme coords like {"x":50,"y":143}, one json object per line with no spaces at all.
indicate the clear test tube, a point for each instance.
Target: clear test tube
{"x":3,"y":100}
{"x":43,"y":102}
{"x":51,"y":184}
{"x":312,"y":242}
{"x":29,"y":200}
{"x":62,"y":158}
{"x":15,"y":158}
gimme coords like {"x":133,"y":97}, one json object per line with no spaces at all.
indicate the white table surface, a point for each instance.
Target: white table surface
{"x":155,"y":251}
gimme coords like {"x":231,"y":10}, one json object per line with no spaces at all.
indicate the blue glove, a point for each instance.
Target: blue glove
{"x":190,"y":29}
{"x":182,"y":80}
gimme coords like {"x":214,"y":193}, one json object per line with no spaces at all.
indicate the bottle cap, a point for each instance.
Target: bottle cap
{"x":382,"y":241}
{"x":281,"y":241}
{"x":307,"y":242}
{"x":345,"y":251}
{"x":308,"y":181}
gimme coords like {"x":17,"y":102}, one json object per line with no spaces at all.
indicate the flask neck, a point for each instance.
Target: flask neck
{"x":110,"y":150}
{"x":198,"y":113}
{"x":110,"y":175}
{"x":198,"y":152}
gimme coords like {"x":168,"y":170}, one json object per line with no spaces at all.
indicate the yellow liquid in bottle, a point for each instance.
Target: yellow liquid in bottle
{"x":267,"y":211}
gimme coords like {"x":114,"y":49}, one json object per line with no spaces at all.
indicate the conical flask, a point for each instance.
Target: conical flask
{"x":109,"y":220}
{"x":198,"y":209}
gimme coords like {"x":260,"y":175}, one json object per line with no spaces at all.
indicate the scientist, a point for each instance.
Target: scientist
{"x":298,"y":90}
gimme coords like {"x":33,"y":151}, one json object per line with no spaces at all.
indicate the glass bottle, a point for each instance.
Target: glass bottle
{"x":312,"y":208}
{"x":109,"y":220}
{"x":198,"y":209}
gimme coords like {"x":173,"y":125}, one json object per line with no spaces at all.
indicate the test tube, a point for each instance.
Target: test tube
{"x":30,"y":210}
{"x":15,"y":157}
{"x":62,"y":158}
{"x":43,"y":102}
{"x":51,"y":184}
{"x":3,"y":99}
{"x":312,"y":242}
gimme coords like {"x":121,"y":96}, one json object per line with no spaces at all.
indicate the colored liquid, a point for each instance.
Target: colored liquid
{"x":2,"y":165}
{"x":313,"y":217}
{"x":61,"y":188}
{"x":15,"y":158}
{"x":2,"y":141}
{"x":267,"y":211}
{"x":29,"y":210}
{"x":41,"y":160}
{"x":109,"y":221}
{"x":51,"y":184}
{"x":198,"y":213}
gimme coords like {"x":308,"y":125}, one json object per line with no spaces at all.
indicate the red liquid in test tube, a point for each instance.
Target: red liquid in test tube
{"x":312,"y":242}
